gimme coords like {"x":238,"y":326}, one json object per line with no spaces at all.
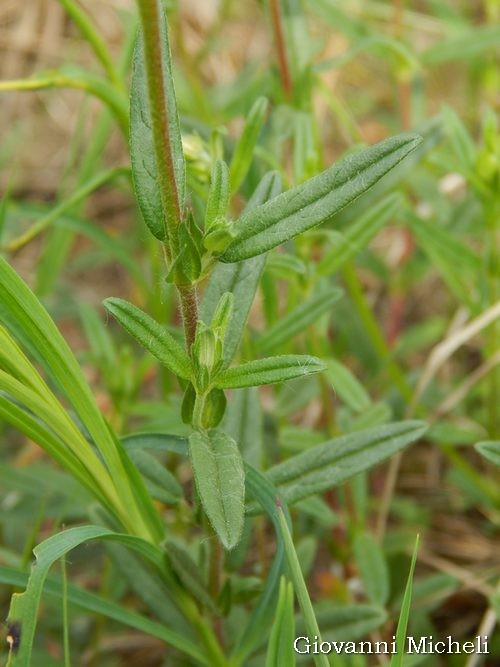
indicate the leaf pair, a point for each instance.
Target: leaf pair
{"x":162,"y":345}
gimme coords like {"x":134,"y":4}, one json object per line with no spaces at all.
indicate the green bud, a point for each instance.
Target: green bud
{"x":197,"y":157}
{"x":219,"y":237}
{"x":223,"y":314}
{"x":213,"y":408}
{"x":188,"y":402}
{"x":218,"y":196}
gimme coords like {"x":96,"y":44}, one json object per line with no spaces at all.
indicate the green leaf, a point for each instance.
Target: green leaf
{"x":327,"y":465}
{"x":263,"y":491}
{"x":160,"y":442}
{"x":397,"y":658}
{"x":142,"y":147}
{"x":490,"y":449}
{"x":95,"y":604}
{"x":218,"y":196}
{"x":373,"y":568}
{"x":269,"y":371}
{"x":245,"y":147}
{"x":151,"y":335}
{"x":244,"y":423}
{"x":220,"y":481}
{"x":241,"y":279}
{"x":347,"y":386}
{"x":280,"y":649}
{"x":159,"y":481}
{"x":298,"y":319}
{"x":189,"y":573}
{"x":299,"y":584}
{"x":317,"y":200}
{"x":359,"y":234}
{"x":32,"y":325}
{"x":24,"y":607}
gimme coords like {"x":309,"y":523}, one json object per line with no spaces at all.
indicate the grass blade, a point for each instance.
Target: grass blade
{"x":310,"y":621}
{"x":398,"y":658}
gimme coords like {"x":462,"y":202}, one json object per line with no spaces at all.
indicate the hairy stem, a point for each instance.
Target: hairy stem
{"x":189,"y":310}
{"x":150,"y":15}
{"x":286,"y":79}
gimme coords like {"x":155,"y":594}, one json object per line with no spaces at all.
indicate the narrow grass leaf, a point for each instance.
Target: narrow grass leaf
{"x":298,"y":319}
{"x":95,"y":604}
{"x":317,"y":200}
{"x":347,"y":386}
{"x":280,"y":649}
{"x":142,"y":146}
{"x":269,"y":371}
{"x":327,"y":465}
{"x":151,"y":335}
{"x":373,"y":568}
{"x":24,"y":606}
{"x":43,"y":436}
{"x":398,"y":658}
{"x":490,"y":449}
{"x":32,"y":325}
{"x":220,"y":481}
{"x":359,"y":234}
{"x":260,"y":489}
{"x":241,"y":279}
{"x":300,"y":587}
{"x":245,"y":147}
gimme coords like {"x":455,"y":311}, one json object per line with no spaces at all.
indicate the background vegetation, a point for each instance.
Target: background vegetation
{"x":398,"y":296}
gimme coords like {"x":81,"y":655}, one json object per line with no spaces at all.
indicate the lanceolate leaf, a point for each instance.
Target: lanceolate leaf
{"x":490,"y":449}
{"x":142,"y":150}
{"x":269,"y":371}
{"x":316,"y":200}
{"x":151,"y":335}
{"x":241,"y":279}
{"x":327,"y":465}
{"x":298,"y":319}
{"x":220,"y":480}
